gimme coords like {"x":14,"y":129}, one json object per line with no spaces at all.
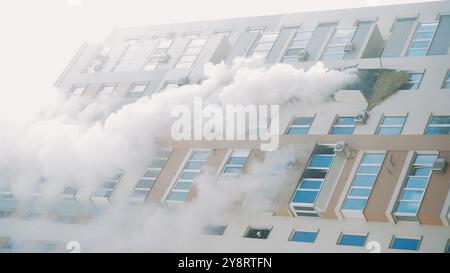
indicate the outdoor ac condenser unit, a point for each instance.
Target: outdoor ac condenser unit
{"x":342,"y":148}
{"x":440,"y":165}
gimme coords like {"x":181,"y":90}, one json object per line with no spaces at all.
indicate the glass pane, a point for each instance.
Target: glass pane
{"x":263,"y":46}
{"x":438,"y":130}
{"x":425,"y":159}
{"x":345,"y":121}
{"x":193,"y":51}
{"x":412,"y":195}
{"x":177,"y":196}
{"x":237,"y":161}
{"x":199,"y":156}
{"x":305,"y":237}
{"x":194,"y":165}
{"x":297,"y":131}
{"x":342,"y":131}
{"x":292,"y":52}
{"x":427,"y":27}
{"x":303,"y":35}
{"x":364,"y":180}
{"x":183,"y":186}
{"x":302,"y":121}
{"x":197,"y":42}
{"x":299,"y":44}
{"x":320,"y":161}
{"x":405,"y":244}
{"x":417,"y":182}
{"x":352,"y":240}
{"x":420,"y":44}
{"x":188,"y":175}
{"x":420,"y":171}
{"x":355,"y":204}
{"x":424,"y":35}
{"x":307,"y":197}
{"x":268,"y":37}
{"x":368,"y":170}
{"x":146,"y":184}
{"x":231,"y":170}
{"x":417,"y":52}
{"x":308,"y":184}
{"x":372,"y":158}
{"x":440,"y":120}
{"x":335,"y":49}
{"x":390,"y":131}
{"x":343,"y":32}
{"x":394,"y":120}
{"x":359,"y":192}
{"x":408,"y":207}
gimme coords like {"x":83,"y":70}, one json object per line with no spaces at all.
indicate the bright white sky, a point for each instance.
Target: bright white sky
{"x":40,"y":37}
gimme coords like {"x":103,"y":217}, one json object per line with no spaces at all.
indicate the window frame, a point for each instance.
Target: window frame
{"x":415,"y":40}
{"x":293,"y":126}
{"x":335,"y":125}
{"x":294,"y":231}
{"x":230,"y":157}
{"x":394,"y":237}
{"x":440,"y":125}
{"x":257,"y":227}
{"x":381,"y":125}
{"x":349,"y":234}
{"x":446,"y":83}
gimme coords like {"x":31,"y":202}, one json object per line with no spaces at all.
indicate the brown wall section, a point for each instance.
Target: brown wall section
{"x":339,"y":187}
{"x":384,"y":186}
{"x":435,"y":195}
{"x":173,"y":164}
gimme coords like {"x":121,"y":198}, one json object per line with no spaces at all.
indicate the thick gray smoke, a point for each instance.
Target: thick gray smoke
{"x":81,"y":144}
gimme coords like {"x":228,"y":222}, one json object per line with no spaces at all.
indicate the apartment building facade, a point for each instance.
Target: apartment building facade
{"x":365,"y":179}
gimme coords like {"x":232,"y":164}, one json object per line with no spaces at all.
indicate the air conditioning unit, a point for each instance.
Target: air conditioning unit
{"x":440,"y":165}
{"x":183,"y":81}
{"x":362,"y":117}
{"x":349,"y":48}
{"x":164,"y":58}
{"x":302,"y":55}
{"x":342,"y":148}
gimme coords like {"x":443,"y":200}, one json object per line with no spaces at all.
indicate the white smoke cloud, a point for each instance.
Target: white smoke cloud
{"x":78,"y":143}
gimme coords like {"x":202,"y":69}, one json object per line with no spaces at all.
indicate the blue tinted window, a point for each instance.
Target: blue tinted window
{"x":215,"y":230}
{"x":407,"y":207}
{"x":352,"y":240}
{"x":405,"y":244}
{"x":364,"y":180}
{"x":177,"y":196}
{"x":298,"y":131}
{"x":342,"y":131}
{"x":304,"y":236}
{"x":320,"y":161}
{"x":389,"y":131}
{"x":305,"y":197}
{"x":355,"y":204}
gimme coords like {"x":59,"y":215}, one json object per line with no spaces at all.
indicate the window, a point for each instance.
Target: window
{"x":363,"y":181}
{"x":64,"y":218}
{"x":225,"y":32}
{"x":138,"y":88}
{"x":107,"y":188}
{"x":352,"y":240}
{"x":297,"y":47}
{"x":413,"y":81}
{"x":410,"y":198}
{"x":422,"y":39}
{"x":235,"y":162}
{"x":186,"y":179}
{"x":264,"y":45}
{"x":106,"y":90}
{"x":69,"y":192}
{"x":257,"y":232}
{"x":132,"y":46}
{"x":447,"y":248}
{"x":304,"y":198}
{"x":34,"y":215}
{"x":405,"y":243}
{"x":303,"y":236}
{"x":214,"y":230}
{"x":148,"y":179}
{"x":258,"y":29}
{"x":159,"y":54}
{"x":391,"y":125}
{"x":300,"y":126}
{"x":438,"y":125}
{"x":191,"y":52}
{"x":5,"y":212}
{"x":343,"y":126}
{"x":169,"y":85}
{"x":339,"y":44}
{"x":446,"y":84}
{"x":191,"y":35}
{"x":77,"y":91}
